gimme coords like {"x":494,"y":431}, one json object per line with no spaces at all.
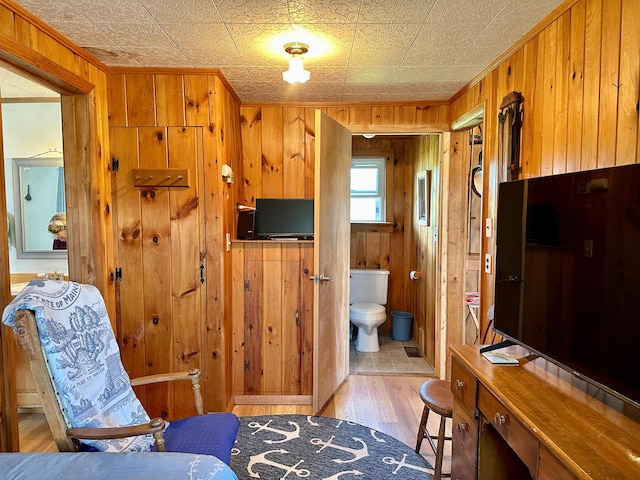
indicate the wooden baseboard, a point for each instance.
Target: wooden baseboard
{"x":273,"y":400}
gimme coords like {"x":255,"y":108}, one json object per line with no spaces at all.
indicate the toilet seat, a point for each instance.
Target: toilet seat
{"x":367,"y":311}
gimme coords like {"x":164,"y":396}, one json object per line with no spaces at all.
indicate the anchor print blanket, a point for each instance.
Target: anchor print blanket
{"x":83,"y":358}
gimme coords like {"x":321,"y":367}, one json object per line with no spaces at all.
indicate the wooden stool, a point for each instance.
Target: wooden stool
{"x":437,"y":397}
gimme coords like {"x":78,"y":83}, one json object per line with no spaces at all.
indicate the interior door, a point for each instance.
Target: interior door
{"x":160,"y":244}
{"x":331,"y":258}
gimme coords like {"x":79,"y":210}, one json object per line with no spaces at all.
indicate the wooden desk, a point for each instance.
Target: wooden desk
{"x":529,"y":421}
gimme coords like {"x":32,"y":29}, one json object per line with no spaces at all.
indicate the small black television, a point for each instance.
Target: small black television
{"x":284,"y":218}
{"x":567,"y":280}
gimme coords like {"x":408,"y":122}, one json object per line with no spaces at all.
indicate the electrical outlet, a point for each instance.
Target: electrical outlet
{"x":487,"y":263}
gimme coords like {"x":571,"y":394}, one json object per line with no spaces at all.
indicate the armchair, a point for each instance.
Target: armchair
{"x":86,"y":394}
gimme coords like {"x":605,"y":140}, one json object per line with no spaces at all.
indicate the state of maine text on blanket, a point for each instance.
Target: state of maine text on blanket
{"x":92,"y":387}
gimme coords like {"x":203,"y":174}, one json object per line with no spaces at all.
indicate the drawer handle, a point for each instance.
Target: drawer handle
{"x":460,"y":384}
{"x":500,"y":419}
{"x":462,"y":426}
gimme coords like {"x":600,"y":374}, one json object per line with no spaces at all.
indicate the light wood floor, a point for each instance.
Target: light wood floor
{"x":389,"y":404}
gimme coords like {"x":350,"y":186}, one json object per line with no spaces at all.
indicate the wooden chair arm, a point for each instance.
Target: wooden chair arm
{"x":193,"y":375}
{"x":154,"y":427}
{"x":166,"y":377}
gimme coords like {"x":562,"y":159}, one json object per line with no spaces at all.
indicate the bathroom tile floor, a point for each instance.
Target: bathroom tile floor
{"x":392,"y":358}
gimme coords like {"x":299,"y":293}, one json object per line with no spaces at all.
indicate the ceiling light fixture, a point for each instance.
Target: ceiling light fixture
{"x":296,"y":72}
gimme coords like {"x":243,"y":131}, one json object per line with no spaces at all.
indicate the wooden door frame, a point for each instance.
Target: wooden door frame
{"x":84,"y":182}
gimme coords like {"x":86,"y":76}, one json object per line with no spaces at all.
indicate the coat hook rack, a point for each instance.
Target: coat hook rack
{"x":161,"y":177}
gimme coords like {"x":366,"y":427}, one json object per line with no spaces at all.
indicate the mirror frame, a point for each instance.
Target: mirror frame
{"x":18,"y":195}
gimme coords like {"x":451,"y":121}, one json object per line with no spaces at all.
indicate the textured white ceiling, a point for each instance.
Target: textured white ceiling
{"x":360,"y":50}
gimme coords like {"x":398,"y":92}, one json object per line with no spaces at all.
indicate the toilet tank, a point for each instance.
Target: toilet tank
{"x":368,"y":286}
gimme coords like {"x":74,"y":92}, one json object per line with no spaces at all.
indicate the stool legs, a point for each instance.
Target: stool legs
{"x":422,"y":428}
{"x":438,"y":448}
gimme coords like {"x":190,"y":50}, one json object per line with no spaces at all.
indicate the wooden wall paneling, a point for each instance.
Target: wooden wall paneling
{"x":373,"y":250}
{"x":563,"y":37}
{"x":438,"y":146}
{"x":592,"y":52}
{"x":629,"y":92}
{"x":217,"y":302}
{"x":169,"y":100}
{"x":6,"y":22}
{"x":575,"y":97}
{"x":309,"y":151}
{"x":292,"y":330}
{"x":360,"y":116}
{"x":381,"y":115}
{"x":394,"y":250}
{"x":21,"y":28}
{"x":306,"y":318}
{"x":196,"y":101}
{"x":428,"y":114}
{"x":405,"y":114}
{"x":117,"y":99}
{"x":409,"y":195}
{"x":609,"y":84}
{"x":238,"y":316}
{"x":156,"y":272}
{"x":233,"y":193}
{"x":537,"y":105}
{"x":251,"y":128}
{"x":339,"y":114}
{"x":294,"y":161}
{"x":456,"y":235}
{"x":548,"y":125}
{"x":272,"y":318}
{"x":530,"y":57}
{"x":254,"y":321}
{"x":127,"y":208}
{"x":272,"y":152}
{"x":187,"y":247}
{"x":140,"y":97}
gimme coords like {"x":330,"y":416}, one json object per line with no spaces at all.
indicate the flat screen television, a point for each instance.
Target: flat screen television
{"x":568,"y":273}
{"x":284,"y":218}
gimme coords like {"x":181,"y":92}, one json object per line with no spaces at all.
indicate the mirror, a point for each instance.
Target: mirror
{"x":38,"y":186}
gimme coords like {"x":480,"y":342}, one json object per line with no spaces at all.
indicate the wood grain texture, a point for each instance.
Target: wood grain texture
{"x":541,"y":398}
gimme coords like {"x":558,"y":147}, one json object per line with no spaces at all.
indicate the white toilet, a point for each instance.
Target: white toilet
{"x":367,"y":297}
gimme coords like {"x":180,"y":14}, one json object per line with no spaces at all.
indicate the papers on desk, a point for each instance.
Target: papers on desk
{"x":500,"y":358}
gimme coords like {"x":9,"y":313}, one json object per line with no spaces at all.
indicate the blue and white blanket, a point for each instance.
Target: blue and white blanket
{"x":83,"y":359}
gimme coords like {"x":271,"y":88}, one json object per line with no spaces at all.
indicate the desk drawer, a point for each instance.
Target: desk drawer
{"x":464,"y":448}
{"x":519,"y":438}
{"x":550,"y":468}
{"x":463,"y":385}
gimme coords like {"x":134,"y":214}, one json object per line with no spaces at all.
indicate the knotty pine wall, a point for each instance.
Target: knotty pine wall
{"x":579,"y":73}
{"x":278,"y":161}
{"x":33,"y":48}
{"x":194,"y":98}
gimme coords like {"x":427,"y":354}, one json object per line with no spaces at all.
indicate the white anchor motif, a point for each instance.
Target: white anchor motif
{"x":400,"y":464}
{"x":379,"y":440}
{"x":311,"y":422}
{"x":262,"y":459}
{"x":287,"y":435}
{"x":235,"y":451}
{"x":357,"y":454}
{"x":339,"y":474}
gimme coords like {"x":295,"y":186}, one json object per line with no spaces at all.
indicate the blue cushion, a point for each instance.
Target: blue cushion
{"x":212,"y":434}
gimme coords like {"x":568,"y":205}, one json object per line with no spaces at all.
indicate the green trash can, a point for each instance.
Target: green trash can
{"x":401,"y":326}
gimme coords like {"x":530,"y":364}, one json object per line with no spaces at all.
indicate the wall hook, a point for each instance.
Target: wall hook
{"x":27,"y":197}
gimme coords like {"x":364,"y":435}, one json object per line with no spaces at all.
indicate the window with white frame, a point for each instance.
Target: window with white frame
{"x":367,"y":189}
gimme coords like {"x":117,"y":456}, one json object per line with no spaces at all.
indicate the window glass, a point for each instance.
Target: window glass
{"x":367,"y":189}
